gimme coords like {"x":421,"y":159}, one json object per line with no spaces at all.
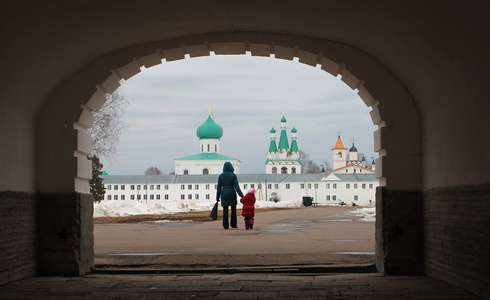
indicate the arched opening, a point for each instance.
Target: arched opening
{"x":205,"y":171}
{"x":284,"y":170}
{"x":397,"y":116}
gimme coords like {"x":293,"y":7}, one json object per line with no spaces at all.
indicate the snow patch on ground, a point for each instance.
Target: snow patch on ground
{"x":108,"y":208}
{"x":365,"y":214}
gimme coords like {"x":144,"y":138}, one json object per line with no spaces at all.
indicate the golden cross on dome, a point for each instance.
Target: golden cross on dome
{"x":210,"y":110}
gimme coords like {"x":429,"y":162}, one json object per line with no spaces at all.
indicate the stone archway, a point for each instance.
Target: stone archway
{"x":393,"y":111}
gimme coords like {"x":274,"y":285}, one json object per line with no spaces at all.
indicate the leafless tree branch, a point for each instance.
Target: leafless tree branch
{"x":108,"y":126}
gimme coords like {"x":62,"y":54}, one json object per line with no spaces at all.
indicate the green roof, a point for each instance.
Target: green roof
{"x":294,"y":146}
{"x":283,"y":141}
{"x":272,"y":146}
{"x":207,"y":156}
{"x":283,"y":119}
{"x":209,"y":130}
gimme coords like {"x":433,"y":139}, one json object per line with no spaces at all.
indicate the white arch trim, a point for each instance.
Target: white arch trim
{"x":129,"y":70}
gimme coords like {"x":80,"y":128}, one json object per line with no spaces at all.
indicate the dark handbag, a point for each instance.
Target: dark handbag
{"x":214,"y":212}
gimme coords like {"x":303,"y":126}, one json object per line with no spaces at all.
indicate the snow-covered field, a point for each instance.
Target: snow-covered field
{"x":130,"y":208}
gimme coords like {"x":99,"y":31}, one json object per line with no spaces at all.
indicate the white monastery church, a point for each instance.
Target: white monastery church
{"x":283,"y":159}
{"x":351,"y":182}
{"x":208,"y":161}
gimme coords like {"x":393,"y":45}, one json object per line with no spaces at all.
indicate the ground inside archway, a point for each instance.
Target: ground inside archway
{"x":325,"y":235}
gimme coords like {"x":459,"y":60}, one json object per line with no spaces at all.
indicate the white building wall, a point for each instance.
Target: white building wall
{"x":323,"y":192}
{"x":196,"y":167}
{"x":209,"y":145}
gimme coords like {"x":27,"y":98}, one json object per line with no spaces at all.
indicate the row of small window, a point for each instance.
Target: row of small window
{"x":196,"y":186}
{"x":137,"y":186}
{"x":152,"y":187}
{"x":334,"y":185}
{"x":115,"y":187}
{"x":334,"y":198}
{"x":207,"y":186}
{"x":348,"y":185}
{"x":154,"y":197}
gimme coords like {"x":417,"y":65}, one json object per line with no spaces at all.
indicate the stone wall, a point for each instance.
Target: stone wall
{"x":65,"y":231}
{"x":457,"y":230}
{"x":17,"y":236}
{"x":399,"y":232}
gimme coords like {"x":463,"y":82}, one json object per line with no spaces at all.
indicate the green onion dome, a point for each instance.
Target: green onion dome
{"x":209,"y":130}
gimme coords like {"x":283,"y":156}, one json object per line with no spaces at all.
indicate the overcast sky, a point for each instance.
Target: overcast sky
{"x":246,"y":95}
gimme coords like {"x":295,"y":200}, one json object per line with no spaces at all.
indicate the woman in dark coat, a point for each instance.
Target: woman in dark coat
{"x":227,"y":189}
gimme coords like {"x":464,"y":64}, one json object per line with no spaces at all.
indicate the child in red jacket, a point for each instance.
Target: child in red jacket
{"x":248,"y":210}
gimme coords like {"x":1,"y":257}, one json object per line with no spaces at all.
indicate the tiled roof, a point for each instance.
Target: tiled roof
{"x":339,"y":144}
{"x":354,"y":177}
{"x":155,"y":179}
{"x":349,"y":165}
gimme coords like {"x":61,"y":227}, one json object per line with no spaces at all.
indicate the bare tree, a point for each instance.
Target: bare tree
{"x":108,"y":125}
{"x":153,"y":171}
{"x":326,"y":166}
{"x":313,"y":168}
{"x":307,"y":165}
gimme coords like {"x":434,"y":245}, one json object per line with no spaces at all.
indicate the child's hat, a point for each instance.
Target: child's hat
{"x":251,"y":191}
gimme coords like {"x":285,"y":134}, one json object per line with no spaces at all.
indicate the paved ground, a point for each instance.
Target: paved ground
{"x":280,"y":242}
{"x":235,"y":286}
{"x":306,"y":236}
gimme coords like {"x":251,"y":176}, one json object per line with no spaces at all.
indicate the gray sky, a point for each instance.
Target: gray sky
{"x":247,"y":95}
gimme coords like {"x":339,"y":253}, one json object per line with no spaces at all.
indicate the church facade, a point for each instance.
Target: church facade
{"x":283,"y":158}
{"x":342,"y":158}
{"x":209,"y":160}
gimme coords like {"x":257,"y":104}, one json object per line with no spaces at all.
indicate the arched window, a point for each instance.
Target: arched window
{"x":205,"y":171}
{"x":186,"y":172}
{"x":209,"y":147}
{"x":215,"y":148}
{"x":274,"y":170}
{"x":339,"y":155}
{"x":293,"y":170}
{"x":284,"y":170}
{"x":202,"y":148}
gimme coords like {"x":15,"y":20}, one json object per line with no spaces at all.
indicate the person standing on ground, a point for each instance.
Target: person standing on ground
{"x":226,"y":190}
{"x":248,"y":210}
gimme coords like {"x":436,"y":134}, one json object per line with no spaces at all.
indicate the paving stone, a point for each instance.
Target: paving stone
{"x":243,"y":286}
{"x":252,"y":295}
{"x":310,"y":293}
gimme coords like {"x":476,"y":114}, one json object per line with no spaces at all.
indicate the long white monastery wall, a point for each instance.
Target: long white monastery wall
{"x":203,"y":188}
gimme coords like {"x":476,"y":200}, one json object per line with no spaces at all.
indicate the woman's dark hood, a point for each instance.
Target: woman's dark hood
{"x":228,"y":167}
